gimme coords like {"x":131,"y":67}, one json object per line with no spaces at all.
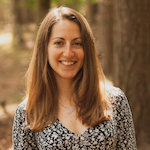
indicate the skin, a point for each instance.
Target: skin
{"x":66,"y":56}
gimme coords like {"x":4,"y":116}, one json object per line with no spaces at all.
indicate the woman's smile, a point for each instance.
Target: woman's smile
{"x":67,"y":63}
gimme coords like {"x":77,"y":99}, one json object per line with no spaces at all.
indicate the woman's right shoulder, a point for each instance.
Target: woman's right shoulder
{"x":19,"y":117}
{"x":22,"y":106}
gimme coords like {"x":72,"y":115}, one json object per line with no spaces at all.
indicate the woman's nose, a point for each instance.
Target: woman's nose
{"x":68,"y":51}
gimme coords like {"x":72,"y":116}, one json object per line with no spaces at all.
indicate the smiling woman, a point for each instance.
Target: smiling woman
{"x":68,"y":105}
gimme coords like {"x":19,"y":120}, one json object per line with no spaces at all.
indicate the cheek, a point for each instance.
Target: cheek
{"x":52,"y":55}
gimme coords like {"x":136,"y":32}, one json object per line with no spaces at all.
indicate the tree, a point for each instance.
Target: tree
{"x":132,"y":61}
{"x":42,"y":7}
{"x":99,"y":13}
{"x":91,"y":11}
{"x":23,"y":14}
{"x":105,"y":34}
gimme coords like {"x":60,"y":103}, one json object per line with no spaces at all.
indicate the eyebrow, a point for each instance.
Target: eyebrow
{"x":64,"y":39}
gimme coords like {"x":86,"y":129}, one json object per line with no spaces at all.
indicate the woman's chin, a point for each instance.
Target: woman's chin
{"x":65,"y":76}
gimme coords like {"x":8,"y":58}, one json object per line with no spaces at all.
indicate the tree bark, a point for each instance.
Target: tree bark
{"x":42,"y":7}
{"x":22,"y":15}
{"x":91,"y":12}
{"x":132,"y":61}
{"x":105,"y":35}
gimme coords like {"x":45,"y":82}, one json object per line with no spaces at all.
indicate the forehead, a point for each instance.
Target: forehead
{"x":65,"y":28}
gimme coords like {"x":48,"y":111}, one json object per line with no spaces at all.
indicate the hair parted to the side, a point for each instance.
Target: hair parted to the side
{"x":92,"y":104}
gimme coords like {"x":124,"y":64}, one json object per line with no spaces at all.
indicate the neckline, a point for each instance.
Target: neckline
{"x":71,"y":131}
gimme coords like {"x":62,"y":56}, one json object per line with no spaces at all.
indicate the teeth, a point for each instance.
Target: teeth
{"x":67,"y":63}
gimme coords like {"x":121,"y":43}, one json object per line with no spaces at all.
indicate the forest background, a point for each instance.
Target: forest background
{"x":122,"y":35}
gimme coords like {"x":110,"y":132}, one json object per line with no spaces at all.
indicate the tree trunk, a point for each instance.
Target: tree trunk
{"x":22,"y":15}
{"x":42,"y":7}
{"x":105,"y":35}
{"x":91,"y":12}
{"x":132,"y":61}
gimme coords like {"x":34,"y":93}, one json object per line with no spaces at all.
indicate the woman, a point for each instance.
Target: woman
{"x":68,"y":105}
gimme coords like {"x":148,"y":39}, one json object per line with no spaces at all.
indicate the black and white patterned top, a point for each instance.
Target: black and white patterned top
{"x":116,"y":134}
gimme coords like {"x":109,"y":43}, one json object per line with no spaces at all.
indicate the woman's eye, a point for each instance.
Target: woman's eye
{"x":58,"y":43}
{"x":78,"y":43}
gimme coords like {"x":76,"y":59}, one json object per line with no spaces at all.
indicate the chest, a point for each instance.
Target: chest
{"x":59,"y":137}
{"x":72,"y":124}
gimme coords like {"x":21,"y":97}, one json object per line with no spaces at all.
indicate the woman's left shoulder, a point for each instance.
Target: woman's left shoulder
{"x":116,"y":95}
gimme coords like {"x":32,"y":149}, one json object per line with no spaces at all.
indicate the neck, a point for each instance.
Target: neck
{"x":64,"y":90}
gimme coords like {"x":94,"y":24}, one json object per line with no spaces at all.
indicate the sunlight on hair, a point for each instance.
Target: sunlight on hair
{"x":58,"y":14}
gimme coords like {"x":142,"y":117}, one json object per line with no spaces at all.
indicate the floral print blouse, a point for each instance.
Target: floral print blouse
{"x":115,"y":134}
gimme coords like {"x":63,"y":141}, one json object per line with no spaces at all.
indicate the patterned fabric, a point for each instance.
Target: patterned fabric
{"x":116,"y":134}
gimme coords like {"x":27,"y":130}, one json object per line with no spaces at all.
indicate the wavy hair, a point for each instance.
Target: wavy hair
{"x":42,"y":91}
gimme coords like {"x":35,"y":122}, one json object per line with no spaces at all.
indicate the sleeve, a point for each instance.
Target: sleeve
{"x":125,"y":128}
{"x":22,"y":140}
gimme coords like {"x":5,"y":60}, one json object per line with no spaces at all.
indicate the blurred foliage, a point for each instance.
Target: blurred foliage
{"x":56,"y":3}
{"x":94,"y":1}
{"x":27,"y":4}
{"x":14,"y":64}
{"x":6,"y":15}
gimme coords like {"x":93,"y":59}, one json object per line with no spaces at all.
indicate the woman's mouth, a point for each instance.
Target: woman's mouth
{"x":68,"y":63}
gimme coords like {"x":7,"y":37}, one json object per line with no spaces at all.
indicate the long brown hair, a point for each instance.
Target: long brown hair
{"x":42,"y":91}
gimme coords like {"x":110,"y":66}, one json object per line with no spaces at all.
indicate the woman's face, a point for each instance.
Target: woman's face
{"x":65,"y":51}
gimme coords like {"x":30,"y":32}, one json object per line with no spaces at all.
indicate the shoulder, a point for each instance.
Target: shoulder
{"x":20,"y":111}
{"x":19,"y":117}
{"x":116,"y":95}
{"x":118,"y":100}
{"x":113,"y":91}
